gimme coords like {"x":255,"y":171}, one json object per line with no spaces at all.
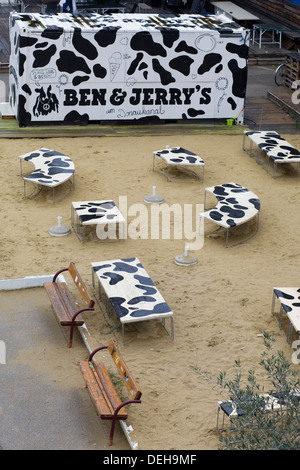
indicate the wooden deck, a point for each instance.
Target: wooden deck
{"x":269,"y":115}
{"x":10,"y":129}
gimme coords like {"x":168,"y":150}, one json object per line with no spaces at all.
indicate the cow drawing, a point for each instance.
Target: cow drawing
{"x":45,"y":102}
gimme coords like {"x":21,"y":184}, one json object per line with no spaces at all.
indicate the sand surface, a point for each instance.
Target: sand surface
{"x":221,"y":305}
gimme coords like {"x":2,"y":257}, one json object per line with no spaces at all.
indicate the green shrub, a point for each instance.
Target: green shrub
{"x":256,"y":428}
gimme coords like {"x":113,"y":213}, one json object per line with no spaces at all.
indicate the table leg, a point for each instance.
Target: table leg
{"x":76,"y":223}
{"x":244,"y":140}
{"x":72,"y":215}
{"x":107,"y":305}
{"x":258,"y":155}
{"x":204,"y":202}
{"x":227,"y":230}
{"x":273,"y":303}
{"x":261,"y":32}
{"x":93,"y":277}
{"x":289,"y":333}
{"x":172,"y":328}
{"x":123,"y":230}
{"x":123,"y":333}
{"x":274,"y":169}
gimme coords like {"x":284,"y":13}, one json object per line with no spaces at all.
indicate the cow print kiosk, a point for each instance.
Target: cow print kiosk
{"x":68,"y":68}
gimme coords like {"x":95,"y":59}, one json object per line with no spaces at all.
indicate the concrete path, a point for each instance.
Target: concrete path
{"x":44,"y":404}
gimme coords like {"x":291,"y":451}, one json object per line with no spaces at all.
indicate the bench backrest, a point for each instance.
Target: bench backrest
{"x":80,"y":285}
{"x":128,"y":380}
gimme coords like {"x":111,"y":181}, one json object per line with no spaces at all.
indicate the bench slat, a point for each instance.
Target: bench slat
{"x":128,"y":380}
{"x":62,"y":301}
{"x":97,"y":390}
{"x":100,"y":403}
{"x":80,"y":285}
{"x":109,"y":388}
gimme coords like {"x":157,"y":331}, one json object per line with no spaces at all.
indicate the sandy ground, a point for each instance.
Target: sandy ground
{"x":221,"y":304}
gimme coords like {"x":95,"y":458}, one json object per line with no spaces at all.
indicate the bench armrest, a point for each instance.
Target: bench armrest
{"x":59,"y":272}
{"x":73,"y":319}
{"x":127,"y":402}
{"x":95,"y":351}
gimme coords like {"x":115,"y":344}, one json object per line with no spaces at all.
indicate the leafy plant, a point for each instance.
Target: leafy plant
{"x":260,"y":426}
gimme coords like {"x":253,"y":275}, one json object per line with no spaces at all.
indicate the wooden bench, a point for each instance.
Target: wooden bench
{"x":106,"y":400}
{"x":64,"y":305}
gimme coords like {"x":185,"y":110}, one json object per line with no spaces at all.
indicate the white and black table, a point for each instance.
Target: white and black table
{"x":236,"y":205}
{"x":102,"y":213}
{"x":261,"y":28}
{"x":131,"y":292}
{"x":275,"y":148}
{"x":179,"y":157}
{"x":52,"y":168}
{"x":289,"y":300}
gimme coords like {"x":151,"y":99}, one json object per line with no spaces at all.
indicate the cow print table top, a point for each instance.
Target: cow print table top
{"x":272,"y":402}
{"x":179,"y":156}
{"x":131,"y":290}
{"x":51,"y":167}
{"x":275,"y":146}
{"x":236,"y":205}
{"x":95,"y":212}
{"x":289,"y":298}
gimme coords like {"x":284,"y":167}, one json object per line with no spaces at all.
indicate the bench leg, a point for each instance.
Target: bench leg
{"x":227,"y":232}
{"x":113,"y":424}
{"x":73,"y":320}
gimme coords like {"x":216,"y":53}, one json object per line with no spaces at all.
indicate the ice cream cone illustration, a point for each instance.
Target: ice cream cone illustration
{"x":114,"y":63}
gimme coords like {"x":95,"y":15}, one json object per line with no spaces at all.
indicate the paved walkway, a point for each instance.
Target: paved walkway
{"x":44,"y":404}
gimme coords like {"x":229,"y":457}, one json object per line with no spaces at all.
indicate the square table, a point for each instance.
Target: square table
{"x":131,"y":292}
{"x":262,"y":28}
{"x":93,"y":213}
